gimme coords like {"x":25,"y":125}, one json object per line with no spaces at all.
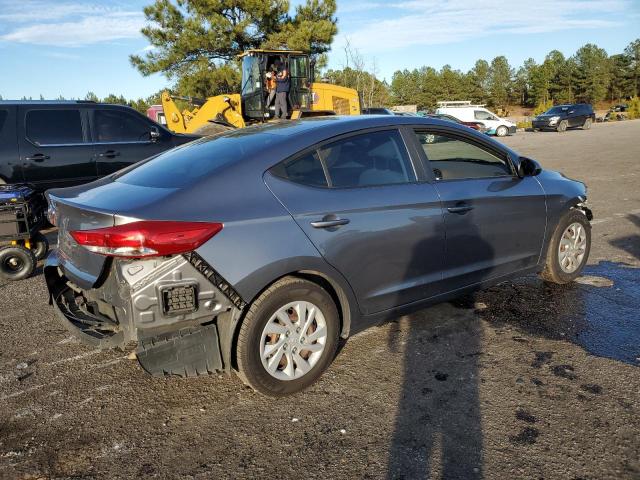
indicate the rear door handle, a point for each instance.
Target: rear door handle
{"x":460,"y":209}
{"x":329,"y":223}
{"x":38,"y":157}
{"x":109,"y":154}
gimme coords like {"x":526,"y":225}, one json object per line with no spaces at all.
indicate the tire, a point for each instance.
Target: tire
{"x":262,"y":317}
{"x":553,"y":271}
{"x":562,"y":126}
{"x":39,"y":246}
{"x":16,"y":262}
{"x":212,"y":130}
{"x":587,"y":124}
{"x":502,"y":131}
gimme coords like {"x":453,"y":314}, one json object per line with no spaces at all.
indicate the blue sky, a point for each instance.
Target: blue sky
{"x":70,"y":47}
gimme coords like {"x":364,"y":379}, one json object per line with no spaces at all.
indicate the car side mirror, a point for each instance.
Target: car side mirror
{"x":528,"y":167}
{"x":154,"y":134}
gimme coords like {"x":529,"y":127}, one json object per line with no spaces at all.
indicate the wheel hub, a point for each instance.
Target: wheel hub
{"x":293,"y":340}
{"x":572,"y":248}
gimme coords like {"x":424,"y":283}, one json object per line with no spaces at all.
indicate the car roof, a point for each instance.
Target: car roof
{"x":286,"y":138}
{"x":339,"y":124}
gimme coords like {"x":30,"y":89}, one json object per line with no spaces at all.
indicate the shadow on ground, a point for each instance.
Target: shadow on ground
{"x":630,"y":243}
{"x":438,"y":431}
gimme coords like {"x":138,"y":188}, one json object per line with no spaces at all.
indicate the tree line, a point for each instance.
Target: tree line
{"x":590,"y":75}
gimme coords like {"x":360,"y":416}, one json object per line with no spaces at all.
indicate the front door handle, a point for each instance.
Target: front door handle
{"x":460,"y":209}
{"x":330,"y":222}
{"x":109,"y":154}
{"x":38,"y":157}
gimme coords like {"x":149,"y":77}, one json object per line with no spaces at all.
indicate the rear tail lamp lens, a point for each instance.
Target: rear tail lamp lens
{"x":146,"y":238}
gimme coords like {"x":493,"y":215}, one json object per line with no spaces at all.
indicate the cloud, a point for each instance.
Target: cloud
{"x":64,"y":24}
{"x":432,"y":22}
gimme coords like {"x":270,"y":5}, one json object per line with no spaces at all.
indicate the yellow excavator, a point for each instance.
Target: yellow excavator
{"x":223,"y":112}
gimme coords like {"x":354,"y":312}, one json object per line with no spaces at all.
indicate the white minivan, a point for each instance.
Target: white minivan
{"x":467,"y":112}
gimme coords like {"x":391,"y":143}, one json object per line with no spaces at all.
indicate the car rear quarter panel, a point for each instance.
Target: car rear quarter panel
{"x":260,"y":242}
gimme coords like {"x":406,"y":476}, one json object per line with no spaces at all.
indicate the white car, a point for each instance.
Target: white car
{"x":467,"y":112}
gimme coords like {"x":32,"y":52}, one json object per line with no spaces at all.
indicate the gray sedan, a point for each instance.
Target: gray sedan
{"x":256,"y":251}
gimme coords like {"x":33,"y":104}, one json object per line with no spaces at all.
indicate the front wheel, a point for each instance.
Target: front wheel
{"x":288,"y":338}
{"x":568,"y":249}
{"x":502,"y":131}
{"x":587,"y":124}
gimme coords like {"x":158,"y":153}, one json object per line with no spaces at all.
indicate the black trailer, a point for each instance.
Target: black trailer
{"x":22,"y":215}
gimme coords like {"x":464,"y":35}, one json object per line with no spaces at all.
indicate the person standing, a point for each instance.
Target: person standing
{"x":283,"y":85}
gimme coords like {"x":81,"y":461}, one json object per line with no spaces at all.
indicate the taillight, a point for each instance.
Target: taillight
{"x":146,"y":238}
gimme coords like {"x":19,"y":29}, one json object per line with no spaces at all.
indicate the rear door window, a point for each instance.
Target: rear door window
{"x":369,"y":159}
{"x":54,"y":127}
{"x":120,"y":126}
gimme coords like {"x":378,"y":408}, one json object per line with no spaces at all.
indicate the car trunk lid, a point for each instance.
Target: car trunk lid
{"x":91,"y":206}
{"x":78,"y":264}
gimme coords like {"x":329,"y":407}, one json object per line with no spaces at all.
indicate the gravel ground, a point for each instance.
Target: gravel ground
{"x":522,"y":380}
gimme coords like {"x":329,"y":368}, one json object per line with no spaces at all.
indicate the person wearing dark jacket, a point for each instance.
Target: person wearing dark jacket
{"x":283,"y":85}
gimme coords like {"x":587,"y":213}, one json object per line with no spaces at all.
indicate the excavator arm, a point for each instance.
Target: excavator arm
{"x":224,"y":109}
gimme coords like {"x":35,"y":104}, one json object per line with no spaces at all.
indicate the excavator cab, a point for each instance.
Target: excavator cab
{"x":256,"y":64}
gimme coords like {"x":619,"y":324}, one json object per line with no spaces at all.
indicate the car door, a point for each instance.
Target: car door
{"x":122,"y":136}
{"x":495,"y":221}
{"x":359,"y":201}
{"x":54,"y":147}
{"x":574,"y":116}
{"x":10,"y":164}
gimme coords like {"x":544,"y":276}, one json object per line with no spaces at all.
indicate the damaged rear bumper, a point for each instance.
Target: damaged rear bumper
{"x":180,"y":319}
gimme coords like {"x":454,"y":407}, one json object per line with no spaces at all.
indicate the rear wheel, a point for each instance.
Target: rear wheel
{"x":502,"y":131}
{"x":568,"y":249}
{"x":562,"y":126}
{"x":16,"y":262}
{"x":587,"y":124}
{"x":288,"y":337}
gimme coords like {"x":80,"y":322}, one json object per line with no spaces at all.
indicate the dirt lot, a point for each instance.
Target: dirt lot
{"x":521,"y":381}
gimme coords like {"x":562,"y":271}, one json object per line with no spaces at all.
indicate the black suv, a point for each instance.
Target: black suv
{"x":561,"y":117}
{"x":59,"y":144}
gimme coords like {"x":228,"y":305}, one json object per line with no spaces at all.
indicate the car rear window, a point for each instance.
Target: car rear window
{"x":184,"y":165}
{"x":54,"y":127}
{"x":306,"y":170}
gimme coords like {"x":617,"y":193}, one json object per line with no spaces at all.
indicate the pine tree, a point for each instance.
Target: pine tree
{"x":196,"y":42}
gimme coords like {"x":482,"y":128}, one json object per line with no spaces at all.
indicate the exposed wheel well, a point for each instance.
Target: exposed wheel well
{"x":337,"y":294}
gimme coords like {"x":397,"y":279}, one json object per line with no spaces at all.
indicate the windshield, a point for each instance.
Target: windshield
{"x":556,"y":110}
{"x":187,"y":164}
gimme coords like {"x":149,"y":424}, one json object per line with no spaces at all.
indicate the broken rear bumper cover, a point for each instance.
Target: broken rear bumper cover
{"x":178,"y":310}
